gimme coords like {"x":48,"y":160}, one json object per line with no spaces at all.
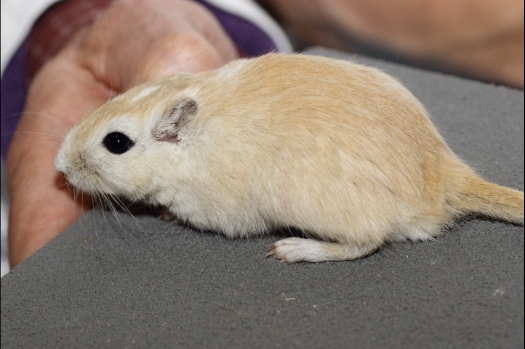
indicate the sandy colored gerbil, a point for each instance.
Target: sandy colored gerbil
{"x":338,"y":150}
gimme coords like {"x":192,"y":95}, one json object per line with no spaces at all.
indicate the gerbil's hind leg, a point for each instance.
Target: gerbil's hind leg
{"x":293,"y":250}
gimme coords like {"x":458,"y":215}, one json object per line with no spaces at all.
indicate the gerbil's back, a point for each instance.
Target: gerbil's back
{"x":315,"y":96}
{"x":313,"y":106}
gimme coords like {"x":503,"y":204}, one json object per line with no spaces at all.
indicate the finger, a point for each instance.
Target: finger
{"x":41,"y":208}
{"x":181,"y":36}
{"x":181,"y":52}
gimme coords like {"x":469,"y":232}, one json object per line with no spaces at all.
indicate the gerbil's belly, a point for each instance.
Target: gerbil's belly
{"x":232,"y":221}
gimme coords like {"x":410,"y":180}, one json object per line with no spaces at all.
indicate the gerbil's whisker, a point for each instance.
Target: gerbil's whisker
{"x":113,"y":209}
{"x":46,"y":192}
{"x":36,"y":133}
{"x":76,"y":193}
{"x":99,"y":202}
{"x":42,"y":143}
{"x":102,"y":205}
{"x":126,"y":210}
{"x":60,"y":126}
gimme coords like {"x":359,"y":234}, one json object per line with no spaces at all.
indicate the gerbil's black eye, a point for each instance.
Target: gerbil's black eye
{"x":117,"y":143}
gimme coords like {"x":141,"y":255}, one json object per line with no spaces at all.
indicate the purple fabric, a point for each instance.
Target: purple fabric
{"x":13,"y":96}
{"x":248,"y":37}
{"x":251,"y":40}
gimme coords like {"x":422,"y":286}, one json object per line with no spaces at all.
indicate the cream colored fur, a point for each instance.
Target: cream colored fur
{"x":338,"y":150}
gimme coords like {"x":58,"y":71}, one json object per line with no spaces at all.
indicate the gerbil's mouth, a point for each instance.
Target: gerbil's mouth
{"x":65,"y":179}
{"x":75,"y":179}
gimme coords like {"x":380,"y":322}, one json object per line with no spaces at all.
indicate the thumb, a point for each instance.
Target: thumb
{"x":176,"y":53}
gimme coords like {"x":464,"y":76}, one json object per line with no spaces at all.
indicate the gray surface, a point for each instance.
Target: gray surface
{"x":108,"y":283}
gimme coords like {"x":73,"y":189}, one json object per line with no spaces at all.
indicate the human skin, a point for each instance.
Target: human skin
{"x":480,"y":39}
{"x":133,"y":41}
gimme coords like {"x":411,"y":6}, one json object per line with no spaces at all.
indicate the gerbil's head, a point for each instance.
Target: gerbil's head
{"x":129,"y":145}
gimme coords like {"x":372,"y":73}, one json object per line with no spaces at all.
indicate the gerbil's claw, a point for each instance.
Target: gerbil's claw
{"x":270,"y":251}
{"x":166,"y":215}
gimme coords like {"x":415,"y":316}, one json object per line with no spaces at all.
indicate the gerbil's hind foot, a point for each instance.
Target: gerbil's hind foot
{"x":292,"y":250}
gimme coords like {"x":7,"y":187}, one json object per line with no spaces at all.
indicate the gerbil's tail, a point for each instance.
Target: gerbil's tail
{"x":477,"y":195}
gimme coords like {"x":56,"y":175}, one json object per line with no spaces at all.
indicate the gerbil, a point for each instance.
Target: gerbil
{"x":338,"y":150}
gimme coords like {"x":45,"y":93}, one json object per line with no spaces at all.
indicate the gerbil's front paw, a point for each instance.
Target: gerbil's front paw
{"x":292,"y":250}
{"x":166,"y":215}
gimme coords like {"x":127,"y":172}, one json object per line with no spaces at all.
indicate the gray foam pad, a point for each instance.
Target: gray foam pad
{"x":114,"y":281}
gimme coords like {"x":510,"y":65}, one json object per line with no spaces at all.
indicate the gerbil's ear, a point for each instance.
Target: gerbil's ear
{"x":169,"y":125}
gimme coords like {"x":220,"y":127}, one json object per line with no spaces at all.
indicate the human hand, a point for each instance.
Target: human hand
{"x":476,"y":39}
{"x":131,"y":42}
